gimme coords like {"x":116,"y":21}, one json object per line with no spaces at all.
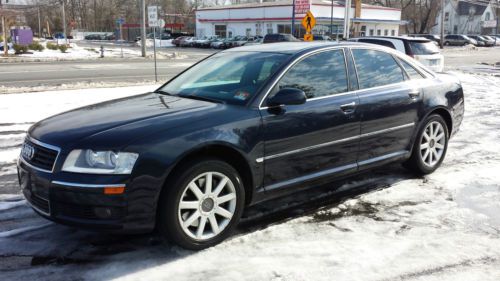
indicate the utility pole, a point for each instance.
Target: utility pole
{"x":331,"y":21}
{"x":293,"y":17}
{"x":346,"y":19}
{"x":64,"y":23}
{"x":4,"y":32}
{"x":39,"y":22}
{"x":143,"y":28}
{"x":441,"y":42}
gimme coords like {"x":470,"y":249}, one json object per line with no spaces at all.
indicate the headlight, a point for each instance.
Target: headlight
{"x":99,"y":162}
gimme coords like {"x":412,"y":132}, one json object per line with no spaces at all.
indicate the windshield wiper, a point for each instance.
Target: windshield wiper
{"x":163,"y":93}
{"x":201,"y":98}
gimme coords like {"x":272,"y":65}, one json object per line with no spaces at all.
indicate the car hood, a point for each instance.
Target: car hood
{"x":77,"y":126}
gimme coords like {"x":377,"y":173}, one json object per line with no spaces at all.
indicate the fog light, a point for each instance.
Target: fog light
{"x":103,"y":212}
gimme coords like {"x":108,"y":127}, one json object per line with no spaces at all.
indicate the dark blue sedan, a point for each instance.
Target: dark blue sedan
{"x":239,"y":127}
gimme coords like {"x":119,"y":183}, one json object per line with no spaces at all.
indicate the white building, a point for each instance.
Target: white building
{"x":276,"y":17}
{"x":466,"y":18}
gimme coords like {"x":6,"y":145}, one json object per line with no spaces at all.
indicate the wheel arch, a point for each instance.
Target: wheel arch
{"x":224,"y":152}
{"x":441,"y":111}
{"x":445,"y":113}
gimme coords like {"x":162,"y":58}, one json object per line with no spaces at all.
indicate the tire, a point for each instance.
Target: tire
{"x":201,"y":209}
{"x":430,"y":146}
{"x":447,"y":43}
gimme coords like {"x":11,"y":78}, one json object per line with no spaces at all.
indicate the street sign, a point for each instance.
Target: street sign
{"x":308,"y":37}
{"x":301,"y":7}
{"x":308,"y":22}
{"x":120,"y":21}
{"x":152,"y":16}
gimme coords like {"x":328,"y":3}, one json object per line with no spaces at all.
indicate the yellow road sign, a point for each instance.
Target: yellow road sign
{"x":308,"y":37}
{"x":308,"y":22}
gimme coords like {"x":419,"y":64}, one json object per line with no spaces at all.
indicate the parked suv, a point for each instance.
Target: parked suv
{"x":458,"y":40}
{"x":279,"y":37}
{"x":421,"y":49}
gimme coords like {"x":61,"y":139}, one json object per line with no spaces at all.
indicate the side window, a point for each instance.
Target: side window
{"x":318,"y":75}
{"x":411,"y":71}
{"x":376,"y":68}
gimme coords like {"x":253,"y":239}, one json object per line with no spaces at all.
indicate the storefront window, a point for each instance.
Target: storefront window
{"x":284,"y":28}
{"x":258,"y":29}
{"x":220,"y":30}
{"x":270,"y":28}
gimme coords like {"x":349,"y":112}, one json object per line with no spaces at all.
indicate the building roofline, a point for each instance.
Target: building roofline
{"x":287,"y":4}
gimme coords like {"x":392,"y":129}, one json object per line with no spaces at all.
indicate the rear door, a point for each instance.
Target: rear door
{"x":317,"y":139}
{"x":388,"y":106}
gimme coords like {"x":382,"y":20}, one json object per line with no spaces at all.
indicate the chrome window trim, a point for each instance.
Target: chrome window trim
{"x":427,"y":74}
{"x":49,"y":146}
{"x":297,"y":60}
{"x":84,"y":185}
{"x":262,"y":159}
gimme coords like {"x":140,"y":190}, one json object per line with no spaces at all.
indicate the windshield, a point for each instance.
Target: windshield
{"x":232,"y":78}
{"x":423,"y":48}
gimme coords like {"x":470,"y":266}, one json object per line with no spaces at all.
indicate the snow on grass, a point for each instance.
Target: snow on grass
{"x":444,"y":226}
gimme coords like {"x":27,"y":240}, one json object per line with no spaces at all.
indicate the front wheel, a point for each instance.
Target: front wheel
{"x":202,"y":205}
{"x":430,"y":146}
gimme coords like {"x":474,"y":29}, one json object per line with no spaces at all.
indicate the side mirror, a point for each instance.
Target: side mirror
{"x":287,"y":96}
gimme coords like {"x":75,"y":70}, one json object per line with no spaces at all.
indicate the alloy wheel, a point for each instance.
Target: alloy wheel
{"x":207,"y":205}
{"x":432,"y":143}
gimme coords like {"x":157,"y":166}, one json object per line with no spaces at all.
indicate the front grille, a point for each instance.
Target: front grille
{"x":42,"y":157}
{"x":40,"y":203}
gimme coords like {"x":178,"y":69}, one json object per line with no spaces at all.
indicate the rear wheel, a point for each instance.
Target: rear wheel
{"x":430,"y":146}
{"x":202,"y":205}
{"x":447,"y":43}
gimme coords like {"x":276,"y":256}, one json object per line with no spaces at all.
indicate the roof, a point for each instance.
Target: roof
{"x":465,"y":8}
{"x":289,"y":3}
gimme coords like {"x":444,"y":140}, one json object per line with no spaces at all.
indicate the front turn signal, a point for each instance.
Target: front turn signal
{"x":114,"y":190}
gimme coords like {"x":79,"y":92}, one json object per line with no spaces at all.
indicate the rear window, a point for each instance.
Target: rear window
{"x":423,"y":48}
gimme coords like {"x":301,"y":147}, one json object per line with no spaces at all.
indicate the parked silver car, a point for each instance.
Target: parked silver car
{"x":458,"y":40}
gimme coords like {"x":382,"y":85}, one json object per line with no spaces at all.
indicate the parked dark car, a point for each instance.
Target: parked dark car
{"x":321,"y":38}
{"x":95,"y":37}
{"x":279,"y":37}
{"x":242,"y":126}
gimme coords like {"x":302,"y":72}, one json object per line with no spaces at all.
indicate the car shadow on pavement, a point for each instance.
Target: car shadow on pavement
{"x":67,"y":248}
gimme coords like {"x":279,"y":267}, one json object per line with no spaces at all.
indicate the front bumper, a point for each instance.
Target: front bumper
{"x":79,"y":200}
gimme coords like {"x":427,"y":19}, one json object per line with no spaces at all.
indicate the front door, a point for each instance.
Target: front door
{"x":317,"y":139}
{"x":388,"y":105}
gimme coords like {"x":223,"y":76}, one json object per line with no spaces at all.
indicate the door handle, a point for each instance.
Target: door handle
{"x":414,"y":94}
{"x":348,"y":107}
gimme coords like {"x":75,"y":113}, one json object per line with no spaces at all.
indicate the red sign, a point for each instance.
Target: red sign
{"x":174,"y":25}
{"x":301,"y":7}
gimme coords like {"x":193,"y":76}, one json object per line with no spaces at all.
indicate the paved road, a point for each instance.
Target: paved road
{"x":55,"y":73}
